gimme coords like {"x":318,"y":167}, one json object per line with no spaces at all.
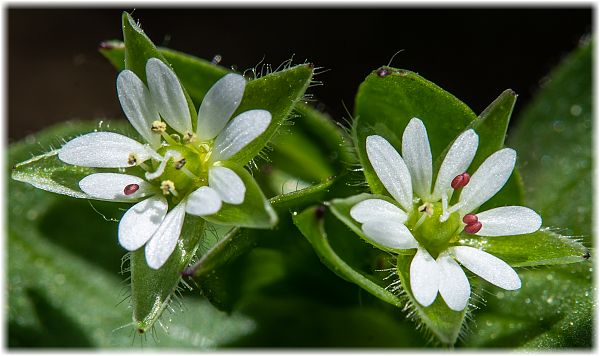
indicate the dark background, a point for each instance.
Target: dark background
{"x":55,"y":72}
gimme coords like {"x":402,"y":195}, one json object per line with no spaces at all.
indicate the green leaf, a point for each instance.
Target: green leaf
{"x":389,"y":98}
{"x":341,"y":209}
{"x":543,"y":247}
{"x":139,"y":49}
{"x":554,"y":309}
{"x":554,"y":141}
{"x":555,"y":306}
{"x":254,"y":212}
{"x":49,"y":173}
{"x":311,"y":223}
{"x":442,"y":321}
{"x":152,"y":290}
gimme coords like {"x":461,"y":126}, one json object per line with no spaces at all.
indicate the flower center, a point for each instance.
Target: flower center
{"x":434,"y":235}
{"x":183,"y":169}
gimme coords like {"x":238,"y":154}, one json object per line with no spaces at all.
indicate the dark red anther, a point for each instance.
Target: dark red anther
{"x":460,"y":180}
{"x":473,"y":228}
{"x":470,"y":219}
{"x":130,"y":189}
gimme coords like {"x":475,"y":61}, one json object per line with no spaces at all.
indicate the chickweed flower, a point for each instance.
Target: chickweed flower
{"x":184,"y":168}
{"x":424,"y":218}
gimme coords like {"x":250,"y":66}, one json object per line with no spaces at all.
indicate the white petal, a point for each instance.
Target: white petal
{"x":219,"y":103}
{"x":457,"y":160}
{"x":391,"y":170}
{"x":228,"y":184}
{"x":487,"y":266}
{"x":163,"y":242}
{"x":390,"y":234}
{"x":377,"y":209}
{"x":138,"y":106}
{"x":141,"y":221}
{"x":417,"y":156}
{"x":241,"y":130}
{"x":508,"y":220}
{"x":454,"y":285}
{"x":488,"y":180}
{"x":424,"y":277}
{"x":110,"y":186}
{"x":203,"y":201}
{"x":168,"y":95}
{"x":103,"y":150}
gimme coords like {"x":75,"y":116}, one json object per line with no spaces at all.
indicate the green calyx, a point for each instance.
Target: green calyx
{"x":426,"y":227}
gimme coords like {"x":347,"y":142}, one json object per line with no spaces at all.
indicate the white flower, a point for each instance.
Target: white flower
{"x":424,"y":219}
{"x":199,"y":184}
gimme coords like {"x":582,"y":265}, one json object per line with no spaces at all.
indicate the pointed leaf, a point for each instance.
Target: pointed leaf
{"x":311,"y":225}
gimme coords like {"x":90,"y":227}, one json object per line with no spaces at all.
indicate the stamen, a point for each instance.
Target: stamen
{"x":168,"y":187}
{"x":189,"y":137}
{"x":130,"y":189}
{"x":460,"y":180}
{"x":179,"y":164}
{"x":159,"y":126}
{"x":132,"y":159}
{"x":426,"y":208}
{"x":470,"y":219}
{"x":473,"y":228}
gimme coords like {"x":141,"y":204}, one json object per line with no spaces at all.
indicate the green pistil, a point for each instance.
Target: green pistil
{"x":426,"y":227}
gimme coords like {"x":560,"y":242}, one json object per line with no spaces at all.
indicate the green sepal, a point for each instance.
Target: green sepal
{"x":389,"y":98}
{"x":442,"y":321}
{"x":255,"y":211}
{"x":152,"y":290}
{"x":139,"y":49}
{"x":277,"y":93}
{"x":543,"y":247}
{"x":341,"y":209}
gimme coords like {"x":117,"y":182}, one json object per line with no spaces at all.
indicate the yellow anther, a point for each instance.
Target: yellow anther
{"x":426,"y":208}
{"x":168,"y":187}
{"x":132,"y":159}
{"x":189,"y":137}
{"x":180,"y":163}
{"x":159,"y":126}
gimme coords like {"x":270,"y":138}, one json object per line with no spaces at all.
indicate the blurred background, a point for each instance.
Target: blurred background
{"x":55,"y":72}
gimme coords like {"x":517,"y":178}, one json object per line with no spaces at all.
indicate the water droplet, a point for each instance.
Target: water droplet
{"x":500,"y":295}
{"x":550,"y":277}
{"x":575,"y":110}
{"x":550,"y":300}
{"x":527,"y":301}
{"x":558,"y":126}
